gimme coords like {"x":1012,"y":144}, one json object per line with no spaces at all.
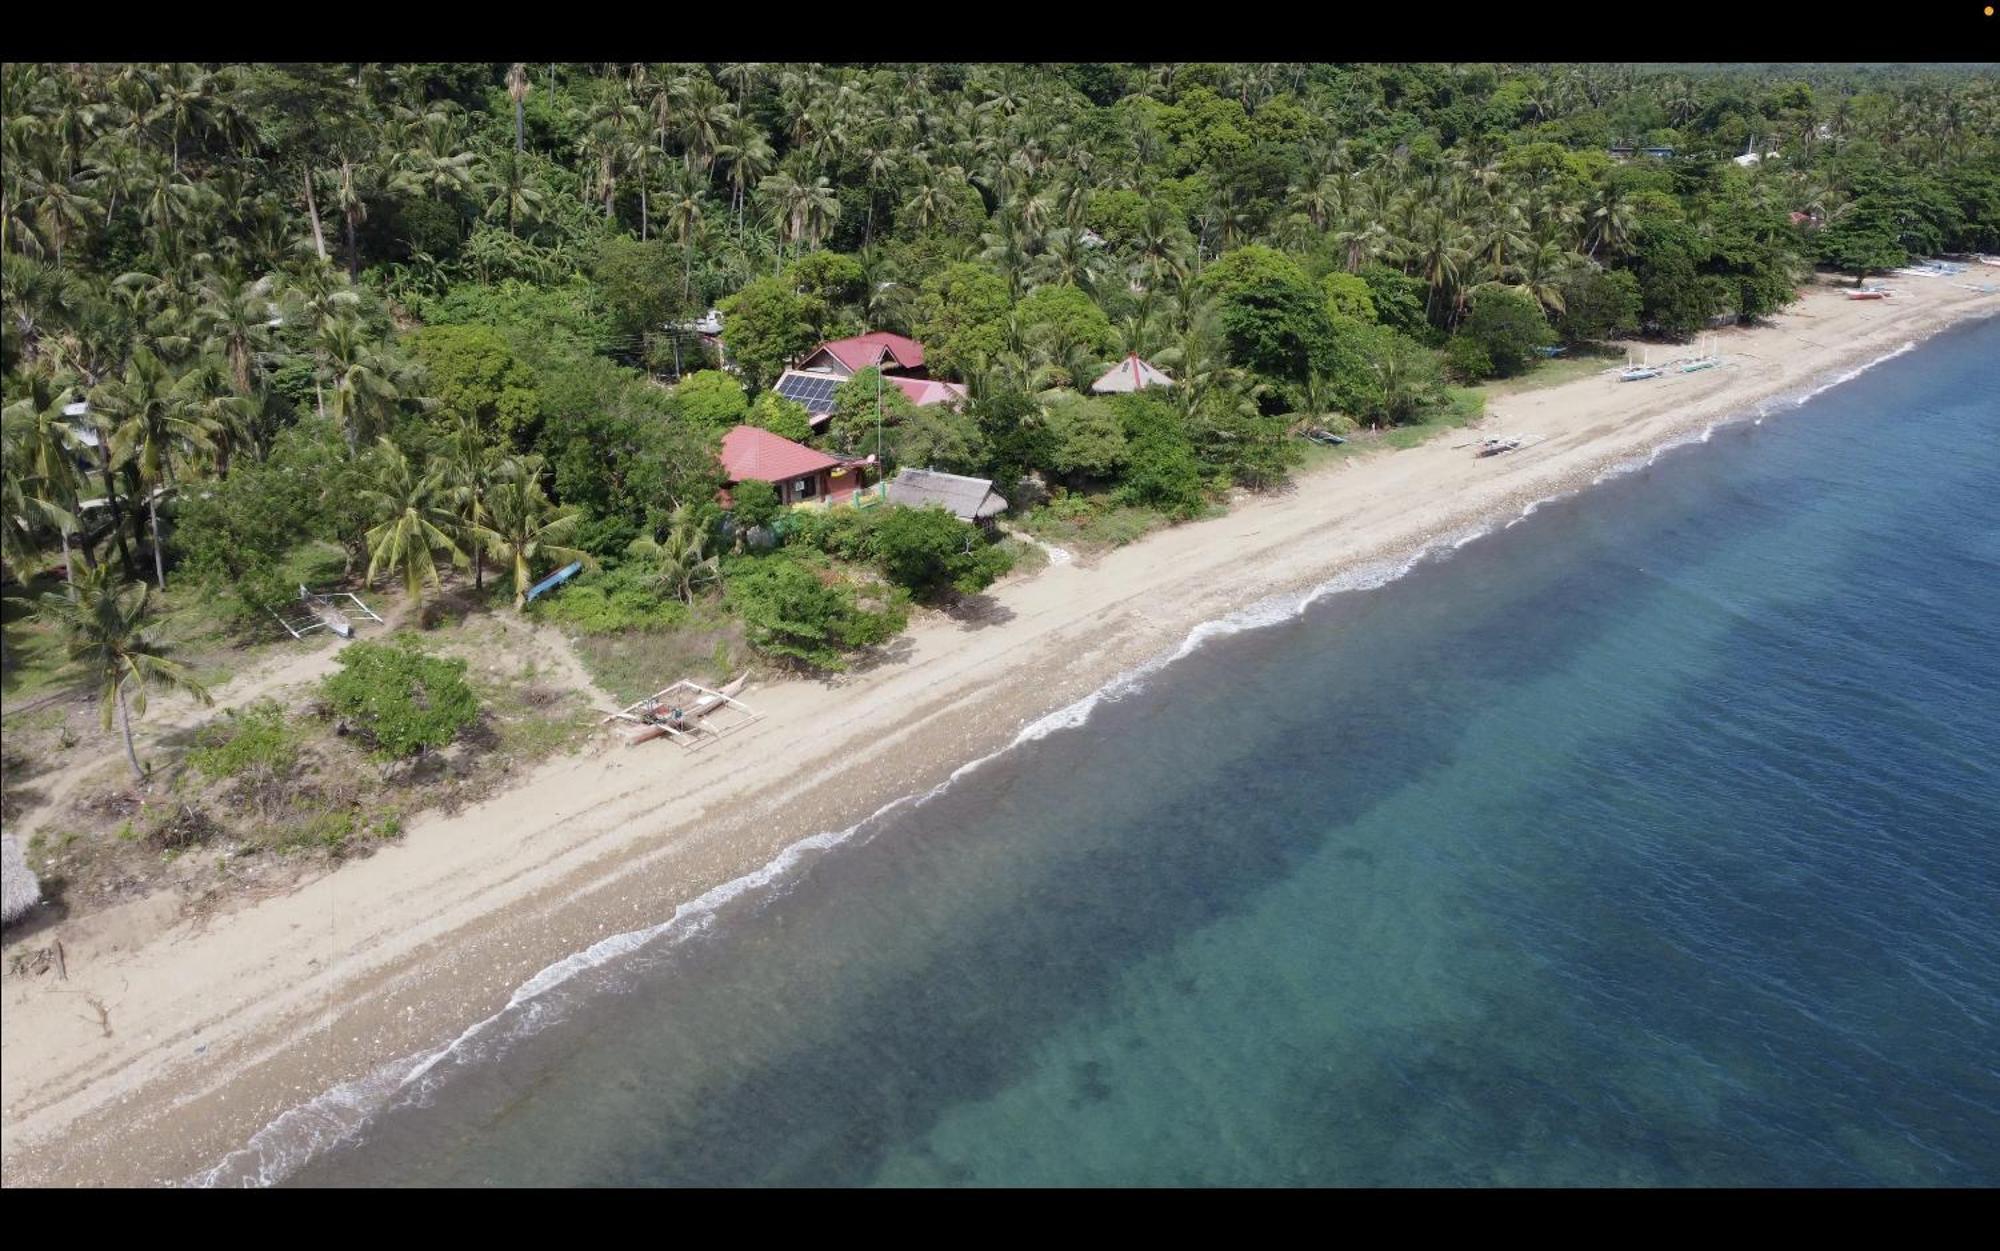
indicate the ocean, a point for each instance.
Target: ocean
{"x":1652,"y":840}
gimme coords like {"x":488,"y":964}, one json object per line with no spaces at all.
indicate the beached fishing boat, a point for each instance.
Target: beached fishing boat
{"x":1497,"y":444}
{"x":1867,"y":295}
{"x":1638,"y":373}
{"x":1328,"y":437}
{"x":686,"y":712}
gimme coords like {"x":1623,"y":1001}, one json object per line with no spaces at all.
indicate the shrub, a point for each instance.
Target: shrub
{"x":1508,"y":326}
{"x":628,"y":597}
{"x":788,"y":419}
{"x":256,"y":737}
{"x":789,"y":611}
{"x":927,"y":550}
{"x":402,"y":701}
{"x":1467,"y":360}
{"x":756,"y":504}
{"x":711,"y":398}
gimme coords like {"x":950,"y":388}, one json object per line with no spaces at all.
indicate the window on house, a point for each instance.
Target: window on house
{"x":805,"y":488}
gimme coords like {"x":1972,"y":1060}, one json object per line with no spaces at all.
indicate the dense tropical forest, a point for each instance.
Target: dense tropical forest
{"x":430,"y":317}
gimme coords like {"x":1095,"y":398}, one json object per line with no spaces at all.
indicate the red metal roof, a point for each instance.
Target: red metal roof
{"x":749,"y":453}
{"x":924,"y":391}
{"x":868,"y":349}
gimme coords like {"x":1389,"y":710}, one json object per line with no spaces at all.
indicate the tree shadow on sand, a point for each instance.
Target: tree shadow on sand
{"x":977,"y":612}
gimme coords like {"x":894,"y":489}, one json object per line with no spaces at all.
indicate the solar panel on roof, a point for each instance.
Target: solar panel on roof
{"x":815,"y":392}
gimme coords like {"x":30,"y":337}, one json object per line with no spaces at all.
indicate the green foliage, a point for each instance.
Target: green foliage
{"x":790,"y":612}
{"x":1398,"y":300}
{"x":827,"y":283}
{"x":788,"y":419}
{"x":1467,"y":360}
{"x":961,"y":318}
{"x":258,"y":737}
{"x":474,"y":375}
{"x":567,"y":319}
{"x":400,"y":700}
{"x":639,"y":284}
{"x":1060,"y":317}
{"x":627,"y":597}
{"x":927,"y":550}
{"x":1599,"y":304}
{"x":617,"y":452}
{"x":1087,"y":436}
{"x":1348,"y":295}
{"x":1672,"y":297}
{"x":1275,"y":319}
{"x":766,"y":325}
{"x":712,"y":399}
{"x":1161,"y":469}
{"x":756,"y":504}
{"x":1507,"y":326}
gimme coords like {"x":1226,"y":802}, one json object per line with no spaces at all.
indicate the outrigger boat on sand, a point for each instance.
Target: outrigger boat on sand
{"x":691,"y":714}
{"x":1638,"y":373}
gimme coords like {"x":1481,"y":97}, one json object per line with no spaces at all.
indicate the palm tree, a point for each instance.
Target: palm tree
{"x":41,"y":468}
{"x":684,"y":562}
{"x":236,"y":318}
{"x":364,"y":379}
{"x":527,"y":528}
{"x":517,"y":91}
{"x":685,"y":220}
{"x":152,"y":428}
{"x":414,"y":520}
{"x":1611,"y":220}
{"x":470,"y":466}
{"x":750,"y":158}
{"x":105,"y":638}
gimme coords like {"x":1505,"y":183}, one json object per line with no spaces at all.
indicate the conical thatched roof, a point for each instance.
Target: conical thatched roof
{"x":19,"y":889}
{"x":1130,"y":374}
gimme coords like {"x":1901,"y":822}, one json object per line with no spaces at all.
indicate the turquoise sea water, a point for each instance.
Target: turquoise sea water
{"x":1654,"y":840}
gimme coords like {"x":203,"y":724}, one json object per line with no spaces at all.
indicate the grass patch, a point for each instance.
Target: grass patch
{"x":1027,"y":558}
{"x":706,"y":647}
{"x":258,"y":737}
{"x":613,"y":602}
{"x":1092,"y":521}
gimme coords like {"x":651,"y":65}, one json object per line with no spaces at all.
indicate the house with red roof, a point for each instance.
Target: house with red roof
{"x":802,"y":475}
{"x":815,"y":378}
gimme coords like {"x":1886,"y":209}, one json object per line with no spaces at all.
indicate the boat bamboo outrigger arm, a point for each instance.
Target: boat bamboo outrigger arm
{"x":687,"y":712}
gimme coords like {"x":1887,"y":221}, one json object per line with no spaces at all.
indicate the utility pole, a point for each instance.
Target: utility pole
{"x":880,"y":468}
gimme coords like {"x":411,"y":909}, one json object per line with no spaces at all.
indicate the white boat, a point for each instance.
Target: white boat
{"x":1639,"y":373}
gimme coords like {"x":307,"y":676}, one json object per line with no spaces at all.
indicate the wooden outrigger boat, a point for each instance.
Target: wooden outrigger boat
{"x":1496,"y":444}
{"x":1868,"y":294}
{"x":691,"y":714}
{"x":1639,"y":373}
{"x":318,"y":611}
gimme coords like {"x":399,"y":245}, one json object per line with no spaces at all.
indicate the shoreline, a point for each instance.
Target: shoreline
{"x":211,"y":1035}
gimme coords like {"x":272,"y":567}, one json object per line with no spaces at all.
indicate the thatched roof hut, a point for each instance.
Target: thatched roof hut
{"x":19,"y":888}
{"x":969,"y":499}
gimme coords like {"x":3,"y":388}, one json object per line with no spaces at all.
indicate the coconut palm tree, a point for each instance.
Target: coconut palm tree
{"x":684,"y":562}
{"x":471,"y":465}
{"x":414,"y":521}
{"x":365,"y":379}
{"x":41,"y":467}
{"x":527,"y":528}
{"x":517,"y":91}
{"x":750,"y":158}
{"x":152,"y":429}
{"x":235,"y":320}
{"x":106,"y":642}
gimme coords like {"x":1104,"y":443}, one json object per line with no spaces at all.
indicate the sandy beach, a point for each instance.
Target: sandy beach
{"x":172,"y":1042}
